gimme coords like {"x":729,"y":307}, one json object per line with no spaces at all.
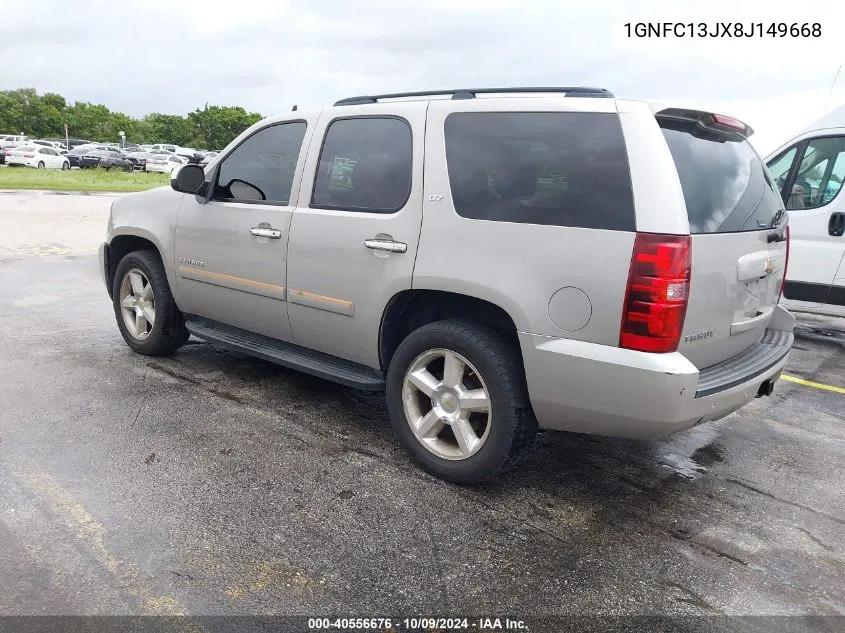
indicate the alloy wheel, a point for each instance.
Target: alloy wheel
{"x":137,"y":304}
{"x":447,"y":404}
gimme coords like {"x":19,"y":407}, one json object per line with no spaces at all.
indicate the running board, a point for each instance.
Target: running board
{"x":287,"y":354}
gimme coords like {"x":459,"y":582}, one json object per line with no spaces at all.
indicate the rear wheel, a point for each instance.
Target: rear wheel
{"x":40,"y":165}
{"x":147,"y":316}
{"x":65,"y":166}
{"x":458,"y":402}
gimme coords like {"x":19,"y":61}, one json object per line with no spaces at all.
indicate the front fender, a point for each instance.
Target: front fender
{"x":150,"y":215}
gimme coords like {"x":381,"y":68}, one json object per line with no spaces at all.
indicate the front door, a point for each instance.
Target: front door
{"x":231,"y":247}
{"x":811,"y":174}
{"x":354,"y":233}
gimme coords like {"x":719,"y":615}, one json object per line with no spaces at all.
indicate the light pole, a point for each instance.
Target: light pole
{"x":122,"y":138}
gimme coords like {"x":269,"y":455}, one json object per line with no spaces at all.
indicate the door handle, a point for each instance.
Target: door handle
{"x":265,"y":231}
{"x":386,"y":245}
{"x":836,"y":226}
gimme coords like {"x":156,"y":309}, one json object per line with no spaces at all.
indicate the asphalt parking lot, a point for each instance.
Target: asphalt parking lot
{"x":213,"y":483}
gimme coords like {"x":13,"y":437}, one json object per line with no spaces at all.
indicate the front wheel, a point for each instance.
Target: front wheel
{"x":147,"y":316}
{"x":458,"y":402}
{"x":65,"y":166}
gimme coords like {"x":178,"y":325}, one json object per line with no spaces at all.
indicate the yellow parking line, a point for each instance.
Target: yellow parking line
{"x":817,"y":385}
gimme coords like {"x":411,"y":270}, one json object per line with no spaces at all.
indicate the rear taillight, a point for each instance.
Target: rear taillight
{"x":658,"y":290}
{"x":785,"y":264}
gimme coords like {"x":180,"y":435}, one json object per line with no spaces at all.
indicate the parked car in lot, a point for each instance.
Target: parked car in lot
{"x":105,"y":159}
{"x":13,"y":140}
{"x":572,"y":261}
{"x":38,"y":156}
{"x":190,"y":154}
{"x":47,"y":143}
{"x":75,"y":155}
{"x":164,"y":162}
{"x":76,"y":142}
{"x":164,"y":147}
{"x":137,"y":156}
{"x":809,"y":171}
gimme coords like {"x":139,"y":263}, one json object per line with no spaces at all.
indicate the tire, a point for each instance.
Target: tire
{"x":129,"y":168}
{"x":65,"y":166}
{"x":40,"y":165}
{"x":492,"y":364}
{"x":168,"y":332}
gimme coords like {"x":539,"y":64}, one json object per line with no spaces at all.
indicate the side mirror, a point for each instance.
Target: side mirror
{"x":188,"y":179}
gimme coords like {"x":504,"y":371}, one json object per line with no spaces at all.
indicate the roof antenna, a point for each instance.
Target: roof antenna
{"x":826,"y":101}
{"x":294,"y":109}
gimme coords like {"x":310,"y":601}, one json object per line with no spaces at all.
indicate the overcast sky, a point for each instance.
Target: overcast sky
{"x":174,"y":55}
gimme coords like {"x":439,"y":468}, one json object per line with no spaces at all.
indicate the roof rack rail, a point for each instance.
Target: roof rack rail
{"x":464,"y":93}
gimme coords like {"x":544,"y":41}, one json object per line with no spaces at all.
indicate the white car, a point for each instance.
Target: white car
{"x":46,"y":143}
{"x":13,"y":140}
{"x":809,"y":171}
{"x":164,"y":162}
{"x":37,"y":156}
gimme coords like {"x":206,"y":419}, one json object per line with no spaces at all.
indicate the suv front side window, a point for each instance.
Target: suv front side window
{"x":819,"y":178}
{"x":262,"y":167}
{"x":365,"y":165}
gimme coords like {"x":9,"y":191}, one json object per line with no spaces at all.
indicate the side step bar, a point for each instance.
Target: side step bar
{"x":287,"y":354}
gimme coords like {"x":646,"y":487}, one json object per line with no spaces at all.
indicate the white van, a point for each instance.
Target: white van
{"x":809,"y":170}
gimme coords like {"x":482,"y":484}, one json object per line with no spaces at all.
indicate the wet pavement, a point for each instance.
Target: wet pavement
{"x":213,"y":483}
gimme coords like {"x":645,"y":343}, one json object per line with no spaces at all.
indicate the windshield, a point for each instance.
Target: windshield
{"x":726,"y":186}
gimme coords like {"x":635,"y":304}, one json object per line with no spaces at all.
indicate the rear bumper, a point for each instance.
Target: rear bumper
{"x":589,"y":388}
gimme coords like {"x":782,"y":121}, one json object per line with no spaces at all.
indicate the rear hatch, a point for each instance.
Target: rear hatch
{"x":738,"y":228}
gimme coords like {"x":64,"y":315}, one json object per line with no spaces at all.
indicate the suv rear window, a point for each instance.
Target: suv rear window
{"x":554,"y":168}
{"x":726,"y":186}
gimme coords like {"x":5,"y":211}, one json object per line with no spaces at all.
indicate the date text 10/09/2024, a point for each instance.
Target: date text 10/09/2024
{"x":722,"y":29}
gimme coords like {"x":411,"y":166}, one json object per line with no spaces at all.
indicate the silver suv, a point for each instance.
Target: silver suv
{"x":496,"y":260}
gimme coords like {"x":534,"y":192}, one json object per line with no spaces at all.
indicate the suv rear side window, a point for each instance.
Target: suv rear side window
{"x":726,"y":187}
{"x":265,"y":162}
{"x":365,"y":165}
{"x":556,"y":168}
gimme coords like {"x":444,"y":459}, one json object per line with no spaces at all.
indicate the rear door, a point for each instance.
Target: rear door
{"x":354,"y":233}
{"x":737,"y":223}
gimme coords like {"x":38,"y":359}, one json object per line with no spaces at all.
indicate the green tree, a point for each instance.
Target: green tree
{"x":169,"y":128}
{"x":216,"y":126}
{"x":23,"y":110}
{"x":12,"y":114}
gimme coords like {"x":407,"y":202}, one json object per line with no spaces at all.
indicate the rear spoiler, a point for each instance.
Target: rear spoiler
{"x":707,"y":120}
